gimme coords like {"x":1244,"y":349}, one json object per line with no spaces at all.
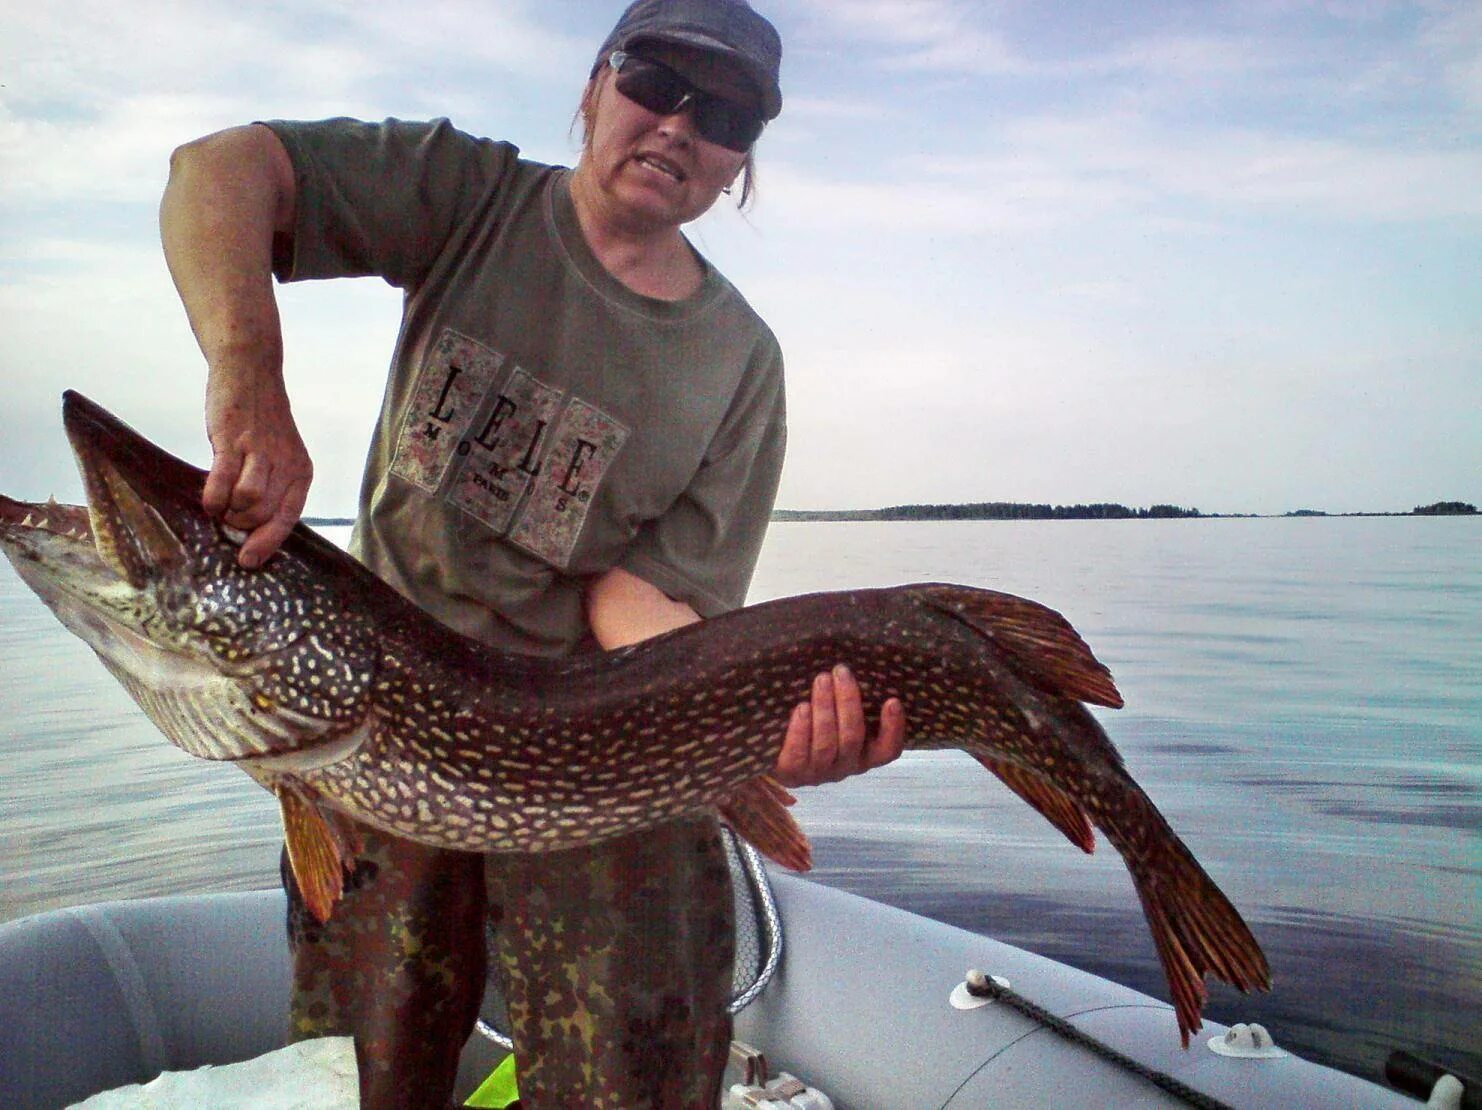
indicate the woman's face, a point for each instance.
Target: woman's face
{"x":654,"y":170}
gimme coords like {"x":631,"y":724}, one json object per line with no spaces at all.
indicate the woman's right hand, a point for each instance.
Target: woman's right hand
{"x":260,"y":469}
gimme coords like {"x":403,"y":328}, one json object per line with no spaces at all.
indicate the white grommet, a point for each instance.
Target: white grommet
{"x":963,"y":996}
{"x":1446,"y":1094}
{"x":1247,"y":1042}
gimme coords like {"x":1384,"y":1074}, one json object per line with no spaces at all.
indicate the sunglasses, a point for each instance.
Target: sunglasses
{"x":655,"y":87}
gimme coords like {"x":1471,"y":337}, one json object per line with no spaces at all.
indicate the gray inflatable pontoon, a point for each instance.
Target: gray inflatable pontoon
{"x":100,"y":996}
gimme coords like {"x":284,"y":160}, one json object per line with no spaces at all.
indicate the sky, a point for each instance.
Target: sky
{"x":1224,"y":256}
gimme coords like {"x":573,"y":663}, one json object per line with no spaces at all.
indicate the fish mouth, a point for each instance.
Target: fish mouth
{"x":68,"y":522}
{"x":53,"y":549}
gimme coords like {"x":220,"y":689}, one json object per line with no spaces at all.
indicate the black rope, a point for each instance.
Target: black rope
{"x":988,"y":988}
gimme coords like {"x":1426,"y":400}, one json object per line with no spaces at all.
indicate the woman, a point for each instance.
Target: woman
{"x":579,"y":446}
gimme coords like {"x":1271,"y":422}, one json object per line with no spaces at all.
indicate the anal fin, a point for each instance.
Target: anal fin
{"x":318,"y":851}
{"x":1055,"y":805}
{"x":758,"y":812}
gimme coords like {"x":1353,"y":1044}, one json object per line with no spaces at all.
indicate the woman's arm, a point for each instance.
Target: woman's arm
{"x":229,"y":195}
{"x":826,"y":736}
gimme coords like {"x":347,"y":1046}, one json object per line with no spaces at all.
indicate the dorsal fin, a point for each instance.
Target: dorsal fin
{"x":758,"y":812}
{"x":1040,"y":643}
{"x":1057,"y":807}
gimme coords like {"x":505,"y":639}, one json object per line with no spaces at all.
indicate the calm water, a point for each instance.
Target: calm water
{"x":1304,"y":702}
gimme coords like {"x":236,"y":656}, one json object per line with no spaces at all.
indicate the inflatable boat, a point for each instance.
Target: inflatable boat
{"x":869,"y":1004}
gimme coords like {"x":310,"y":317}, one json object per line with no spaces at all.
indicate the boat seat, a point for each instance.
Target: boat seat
{"x":99,"y":996}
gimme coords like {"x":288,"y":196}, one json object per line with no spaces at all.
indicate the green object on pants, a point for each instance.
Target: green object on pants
{"x":499,"y":1090}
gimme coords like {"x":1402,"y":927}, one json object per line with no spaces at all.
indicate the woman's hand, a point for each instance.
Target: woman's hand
{"x":260,"y":470}
{"x":827,"y":739}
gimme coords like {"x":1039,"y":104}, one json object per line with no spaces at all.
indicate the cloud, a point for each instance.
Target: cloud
{"x":813,"y":108}
{"x":1056,"y":171}
{"x":937,"y":35}
{"x":1452,"y":40}
{"x":1021,"y":198}
{"x":1327,"y":178}
{"x":96,"y":95}
{"x":509,"y":36}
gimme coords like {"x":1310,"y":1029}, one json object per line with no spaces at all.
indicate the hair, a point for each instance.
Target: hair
{"x":587,"y":108}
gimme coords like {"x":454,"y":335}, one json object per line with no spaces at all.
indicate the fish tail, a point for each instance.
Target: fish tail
{"x":1196,"y":929}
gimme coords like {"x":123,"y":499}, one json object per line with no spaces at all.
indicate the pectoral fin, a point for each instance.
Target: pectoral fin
{"x":758,"y":812}
{"x":317,"y":851}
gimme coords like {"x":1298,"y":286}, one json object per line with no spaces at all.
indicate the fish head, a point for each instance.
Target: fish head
{"x":231,"y":663}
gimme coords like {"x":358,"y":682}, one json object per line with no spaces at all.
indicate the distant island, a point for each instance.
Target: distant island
{"x":1445,"y":508}
{"x":1016,"y":510}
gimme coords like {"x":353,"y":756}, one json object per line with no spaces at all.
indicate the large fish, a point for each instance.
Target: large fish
{"x":337,"y":694}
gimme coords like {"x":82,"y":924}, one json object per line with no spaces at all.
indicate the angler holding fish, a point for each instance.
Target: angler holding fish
{"x":579,"y":447}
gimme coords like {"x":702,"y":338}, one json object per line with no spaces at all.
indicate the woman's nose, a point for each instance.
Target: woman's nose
{"x":679,"y":122}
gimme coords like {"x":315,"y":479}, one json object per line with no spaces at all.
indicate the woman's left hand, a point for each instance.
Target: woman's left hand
{"x":826,"y":736}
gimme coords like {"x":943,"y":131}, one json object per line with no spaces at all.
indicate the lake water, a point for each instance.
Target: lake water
{"x":1304,"y":703}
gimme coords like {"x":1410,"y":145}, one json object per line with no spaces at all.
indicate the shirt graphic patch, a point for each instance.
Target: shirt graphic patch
{"x":583,"y":445}
{"x":518,"y":456}
{"x":455,"y":377}
{"x":504,"y":450}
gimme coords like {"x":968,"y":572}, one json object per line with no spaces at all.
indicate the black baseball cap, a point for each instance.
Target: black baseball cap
{"x":727,"y":27}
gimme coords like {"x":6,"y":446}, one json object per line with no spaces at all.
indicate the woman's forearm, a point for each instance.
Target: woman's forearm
{"x":228,"y":196}
{"x":623,"y":609}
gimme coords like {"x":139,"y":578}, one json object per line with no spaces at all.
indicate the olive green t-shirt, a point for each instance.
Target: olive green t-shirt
{"x":542,"y":422}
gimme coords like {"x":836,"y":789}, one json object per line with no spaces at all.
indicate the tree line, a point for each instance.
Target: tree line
{"x":1446,"y":508}
{"x":1101,"y":510}
{"x":994,"y":510}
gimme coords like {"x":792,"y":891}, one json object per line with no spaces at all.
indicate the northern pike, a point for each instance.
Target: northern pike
{"x":339,"y":695}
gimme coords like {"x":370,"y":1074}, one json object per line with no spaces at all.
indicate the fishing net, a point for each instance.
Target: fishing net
{"x":758,"y":939}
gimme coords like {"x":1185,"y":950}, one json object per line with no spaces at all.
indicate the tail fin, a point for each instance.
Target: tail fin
{"x":1040,"y":643}
{"x":1195,"y":928}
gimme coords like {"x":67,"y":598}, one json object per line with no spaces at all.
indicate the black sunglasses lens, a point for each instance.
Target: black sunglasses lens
{"x":657,"y":88}
{"x":653,"y":87}
{"x":727,"y":125}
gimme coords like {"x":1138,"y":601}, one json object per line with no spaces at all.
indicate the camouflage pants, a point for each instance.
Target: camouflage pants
{"x":615,"y":963}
